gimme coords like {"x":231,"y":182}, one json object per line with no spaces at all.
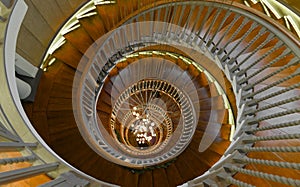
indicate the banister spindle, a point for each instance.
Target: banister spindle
{"x":275,"y":126}
{"x":247,"y":160}
{"x":18,"y":174}
{"x":183,"y":33}
{"x":286,"y":101}
{"x":243,"y":71}
{"x":269,"y":149}
{"x":245,"y":20}
{"x":16,"y":145}
{"x":275,"y":137}
{"x":240,"y":52}
{"x":275,"y":115}
{"x":209,"y":11}
{"x":280,"y":57}
{"x":250,"y":86}
{"x":233,"y":69}
{"x":211,"y":24}
{"x":228,"y":13}
{"x":225,"y":34}
{"x":243,"y":39}
{"x":18,"y":159}
{"x":275,"y":178}
{"x":255,"y":101}
{"x":188,"y":40}
{"x":229,"y":180}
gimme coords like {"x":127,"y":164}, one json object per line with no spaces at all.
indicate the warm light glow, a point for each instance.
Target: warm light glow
{"x":51,"y":61}
{"x":101,"y":2}
{"x":143,"y":127}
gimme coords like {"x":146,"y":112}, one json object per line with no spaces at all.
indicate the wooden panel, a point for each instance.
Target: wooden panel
{"x":50,"y":11}
{"x":61,"y":91}
{"x":41,"y":124}
{"x":195,"y":161}
{"x":218,"y":21}
{"x":277,"y":157}
{"x":60,"y":104}
{"x":43,"y":92}
{"x":65,"y":7}
{"x":9,"y":167}
{"x":58,"y":122}
{"x":260,"y":40}
{"x":35,"y":22}
{"x":76,"y":3}
{"x":104,"y":109}
{"x":219,"y":146}
{"x":32,"y":48}
{"x":224,"y":27}
{"x":28,"y":108}
{"x":208,"y":22}
{"x":27,"y":56}
{"x":208,"y":153}
{"x":231,"y":31}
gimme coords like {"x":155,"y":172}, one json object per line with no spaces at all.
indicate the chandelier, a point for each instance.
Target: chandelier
{"x":143,"y":127}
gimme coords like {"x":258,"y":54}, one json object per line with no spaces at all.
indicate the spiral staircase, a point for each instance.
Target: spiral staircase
{"x":218,"y":82}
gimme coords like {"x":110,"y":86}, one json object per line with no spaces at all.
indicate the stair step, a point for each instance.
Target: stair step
{"x":130,"y":179}
{"x":198,"y":167}
{"x":160,"y":177}
{"x":174,"y":177}
{"x":109,"y":14}
{"x":186,"y":170}
{"x":146,"y":179}
{"x":213,"y":103}
{"x":80,"y":39}
{"x":73,"y":59}
{"x":94,"y":26}
{"x":224,"y":132}
{"x":218,"y":116}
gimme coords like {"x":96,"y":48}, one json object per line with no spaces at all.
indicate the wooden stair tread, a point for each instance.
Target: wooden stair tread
{"x":173,"y":175}
{"x":160,"y":177}
{"x":145,"y":179}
